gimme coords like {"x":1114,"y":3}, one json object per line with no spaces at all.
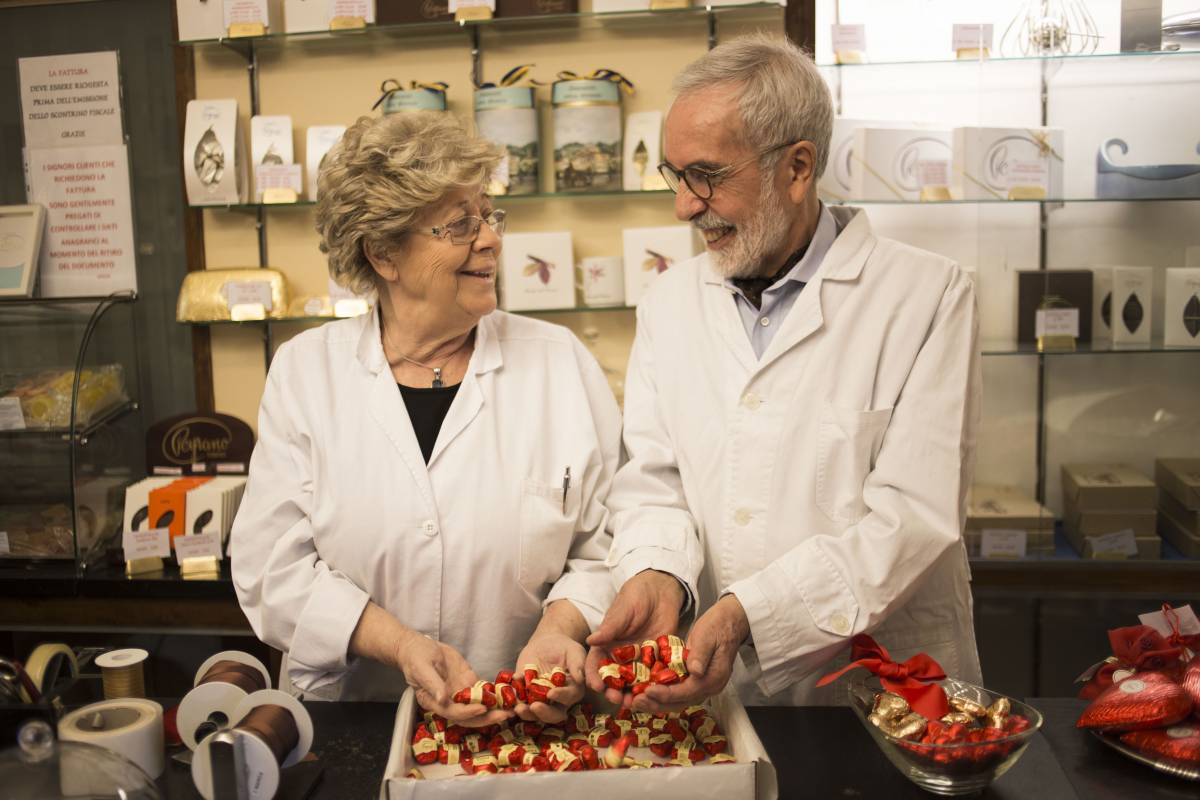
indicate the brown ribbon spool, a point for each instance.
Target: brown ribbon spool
{"x":243,"y":676}
{"x":275,"y":726}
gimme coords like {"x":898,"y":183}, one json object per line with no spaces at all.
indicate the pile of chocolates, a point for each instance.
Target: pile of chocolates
{"x":509,"y":688}
{"x":585,"y":741}
{"x":980,"y":730}
{"x":662,"y":661}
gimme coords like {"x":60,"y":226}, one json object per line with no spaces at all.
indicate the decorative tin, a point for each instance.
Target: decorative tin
{"x":420,"y":97}
{"x":507,"y":115}
{"x":587,"y":134}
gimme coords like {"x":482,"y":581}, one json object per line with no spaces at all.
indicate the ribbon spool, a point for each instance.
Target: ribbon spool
{"x":121,"y":672}
{"x":46,"y":665}
{"x":274,"y":731}
{"x":131,"y":727}
{"x":222,"y":682}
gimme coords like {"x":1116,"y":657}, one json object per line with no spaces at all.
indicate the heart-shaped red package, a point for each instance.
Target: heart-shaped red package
{"x":1191,"y":684}
{"x":1141,"y":701}
{"x":1180,"y":743}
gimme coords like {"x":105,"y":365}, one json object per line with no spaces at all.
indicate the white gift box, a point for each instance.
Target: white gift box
{"x":650,"y":252}
{"x":537,"y":272}
{"x":1132,"y":302}
{"x":199,"y":19}
{"x":214,"y":161}
{"x":271,"y":140}
{"x":1102,"y":303}
{"x":643,"y":151}
{"x":751,"y":777}
{"x":1181,"y":308}
{"x":319,"y":140}
{"x":211,"y":506}
{"x":137,"y":502}
{"x":601,"y":281}
{"x":837,"y":183}
{"x":885,"y":161}
{"x":999,"y":163}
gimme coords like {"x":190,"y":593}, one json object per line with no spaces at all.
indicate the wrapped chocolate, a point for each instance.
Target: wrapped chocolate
{"x":1191,"y":684}
{"x":1141,"y":701}
{"x":1179,"y":743}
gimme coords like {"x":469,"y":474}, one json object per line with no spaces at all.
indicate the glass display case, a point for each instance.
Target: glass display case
{"x":71,"y":436}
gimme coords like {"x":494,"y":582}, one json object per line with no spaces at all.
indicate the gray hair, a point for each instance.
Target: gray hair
{"x":783,"y":96}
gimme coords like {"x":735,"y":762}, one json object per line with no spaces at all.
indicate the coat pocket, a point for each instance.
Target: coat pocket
{"x":847,"y":443}
{"x":547,"y":529}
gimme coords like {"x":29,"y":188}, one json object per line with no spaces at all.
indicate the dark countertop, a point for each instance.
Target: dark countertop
{"x":817,"y":752}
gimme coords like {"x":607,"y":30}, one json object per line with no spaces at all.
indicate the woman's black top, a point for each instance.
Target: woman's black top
{"x":427,"y":410}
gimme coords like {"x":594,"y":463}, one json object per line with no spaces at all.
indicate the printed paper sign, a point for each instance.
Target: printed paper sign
{"x":1002,"y":543}
{"x":1056,"y":322}
{"x":455,"y":5}
{"x":146,"y":544}
{"x":71,"y":100}
{"x":972,"y":37}
{"x":198,"y":545}
{"x":1120,"y":544}
{"x":278,"y":176}
{"x":1186,"y":618}
{"x":1023,"y":173}
{"x":248,"y":293}
{"x":11,"y":417}
{"x":933,"y":172}
{"x":355,"y":9}
{"x":847,"y":38}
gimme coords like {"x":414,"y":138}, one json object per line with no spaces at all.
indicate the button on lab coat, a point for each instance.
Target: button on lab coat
{"x":824,"y":485}
{"x":341,"y":508}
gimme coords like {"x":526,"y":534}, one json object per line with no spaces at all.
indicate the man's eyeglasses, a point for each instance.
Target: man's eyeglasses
{"x":703,"y":182}
{"x":465,"y":230}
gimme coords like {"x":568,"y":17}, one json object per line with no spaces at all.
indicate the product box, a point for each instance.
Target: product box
{"x":268,"y":13}
{"x":1143,"y":548}
{"x":1102,"y":304}
{"x":751,"y":777}
{"x":271,"y":140}
{"x":398,"y":12}
{"x":1184,"y":517}
{"x":1107,"y":487}
{"x":1132,"y":304}
{"x":1011,"y":520}
{"x":214,"y":161}
{"x":1098,"y":523}
{"x":302,"y":16}
{"x":837,"y":182}
{"x":168,"y":504}
{"x":649,"y":252}
{"x":199,"y":19}
{"x":211,"y":506}
{"x":1063,"y":288}
{"x":137,"y":503}
{"x":319,"y":140}
{"x":1007,"y":163}
{"x":1181,"y":308}
{"x":98,"y":503}
{"x":886,"y":159}
{"x":530,"y":8}
{"x":601,"y":282}
{"x":1185,"y":540}
{"x":1180,"y":478}
{"x":643,"y":151}
{"x":537,"y":271}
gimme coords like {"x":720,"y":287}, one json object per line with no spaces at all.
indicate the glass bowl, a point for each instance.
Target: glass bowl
{"x":948,"y":769}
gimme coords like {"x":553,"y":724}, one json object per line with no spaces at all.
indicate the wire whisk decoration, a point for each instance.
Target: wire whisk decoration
{"x":1051,"y":27}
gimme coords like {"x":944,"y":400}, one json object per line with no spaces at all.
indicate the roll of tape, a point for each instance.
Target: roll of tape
{"x":130,"y":727}
{"x":46,"y":664}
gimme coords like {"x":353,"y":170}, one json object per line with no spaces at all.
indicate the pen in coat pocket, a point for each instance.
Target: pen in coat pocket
{"x":566,"y":485}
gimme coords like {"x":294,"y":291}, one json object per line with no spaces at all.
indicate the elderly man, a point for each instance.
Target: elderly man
{"x":800,"y":411}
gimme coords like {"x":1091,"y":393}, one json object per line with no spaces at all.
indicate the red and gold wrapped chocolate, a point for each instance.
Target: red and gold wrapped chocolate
{"x":636,"y":668}
{"x":586,"y":741}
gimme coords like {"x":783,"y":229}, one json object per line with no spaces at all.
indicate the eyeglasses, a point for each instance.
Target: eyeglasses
{"x":465,"y":230}
{"x":703,"y":182}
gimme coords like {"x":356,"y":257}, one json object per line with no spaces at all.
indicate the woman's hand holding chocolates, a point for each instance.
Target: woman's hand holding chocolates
{"x":432,"y":669}
{"x":546,"y":651}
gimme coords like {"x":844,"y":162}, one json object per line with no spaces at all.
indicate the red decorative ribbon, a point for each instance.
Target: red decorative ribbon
{"x":910,"y":680}
{"x":1177,"y":639}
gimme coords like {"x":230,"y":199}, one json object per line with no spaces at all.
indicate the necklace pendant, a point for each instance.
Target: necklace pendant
{"x":437,"y":378}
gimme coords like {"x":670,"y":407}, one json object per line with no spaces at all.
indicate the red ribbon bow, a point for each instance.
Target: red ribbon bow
{"x":910,"y":680}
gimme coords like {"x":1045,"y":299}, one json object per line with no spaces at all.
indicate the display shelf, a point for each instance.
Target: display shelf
{"x":84,"y":433}
{"x":416,"y":29}
{"x":1009,"y":348}
{"x":319,"y":320}
{"x":1141,"y":54}
{"x":118,"y":297}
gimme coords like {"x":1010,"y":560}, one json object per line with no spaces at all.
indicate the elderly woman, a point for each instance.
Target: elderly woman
{"x":426,"y":499}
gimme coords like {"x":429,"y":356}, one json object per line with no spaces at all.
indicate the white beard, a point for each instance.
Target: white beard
{"x":753,"y":241}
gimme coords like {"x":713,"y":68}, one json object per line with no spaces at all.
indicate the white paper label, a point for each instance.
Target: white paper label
{"x":146,"y":544}
{"x":848,"y":38}
{"x":971,"y":37}
{"x":11,"y":418}
{"x":167,"y":471}
{"x":1028,"y":172}
{"x":198,"y":545}
{"x":244,"y":11}
{"x":1120,"y":544}
{"x":4,"y":543}
{"x":1132,"y":686}
{"x":1188,"y":624}
{"x":1181,"y":733}
{"x":278,"y":176}
{"x":1056,"y":322}
{"x":1002,"y":543}
{"x":359,"y":9}
{"x":933,"y":172}
{"x":231,"y":468}
{"x":248,"y":293}
{"x":455,"y":5}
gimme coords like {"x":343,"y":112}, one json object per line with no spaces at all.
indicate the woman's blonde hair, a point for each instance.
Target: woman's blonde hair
{"x":381,"y":175}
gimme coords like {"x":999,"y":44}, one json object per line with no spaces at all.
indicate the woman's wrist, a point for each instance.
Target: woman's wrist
{"x":562,"y":617}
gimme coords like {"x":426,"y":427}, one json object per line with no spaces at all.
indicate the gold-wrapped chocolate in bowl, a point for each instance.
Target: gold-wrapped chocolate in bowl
{"x":215,"y":295}
{"x":977,"y":741}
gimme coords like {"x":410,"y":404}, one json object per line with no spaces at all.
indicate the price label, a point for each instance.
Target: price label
{"x":11,"y":417}
{"x":198,"y":545}
{"x":342,"y":9}
{"x":4,"y":549}
{"x":1119,"y":544}
{"x":146,"y":544}
{"x":278,"y":176}
{"x":972,"y":37}
{"x":848,"y":38}
{"x":1184,"y":616}
{"x":248,"y":293}
{"x":1003,"y":543}
{"x":933,"y":172}
{"x":1028,"y":173}
{"x":457,"y":5}
{"x":1056,"y":322}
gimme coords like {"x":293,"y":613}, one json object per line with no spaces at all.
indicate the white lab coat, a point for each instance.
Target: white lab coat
{"x":341,"y":508}
{"x":824,"y":484}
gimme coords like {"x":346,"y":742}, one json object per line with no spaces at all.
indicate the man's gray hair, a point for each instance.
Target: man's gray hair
{"x":782,"y":96}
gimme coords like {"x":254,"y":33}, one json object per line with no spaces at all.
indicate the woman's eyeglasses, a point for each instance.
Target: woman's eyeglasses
{"x":703,"y":182}
{"x":465,"y":230}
